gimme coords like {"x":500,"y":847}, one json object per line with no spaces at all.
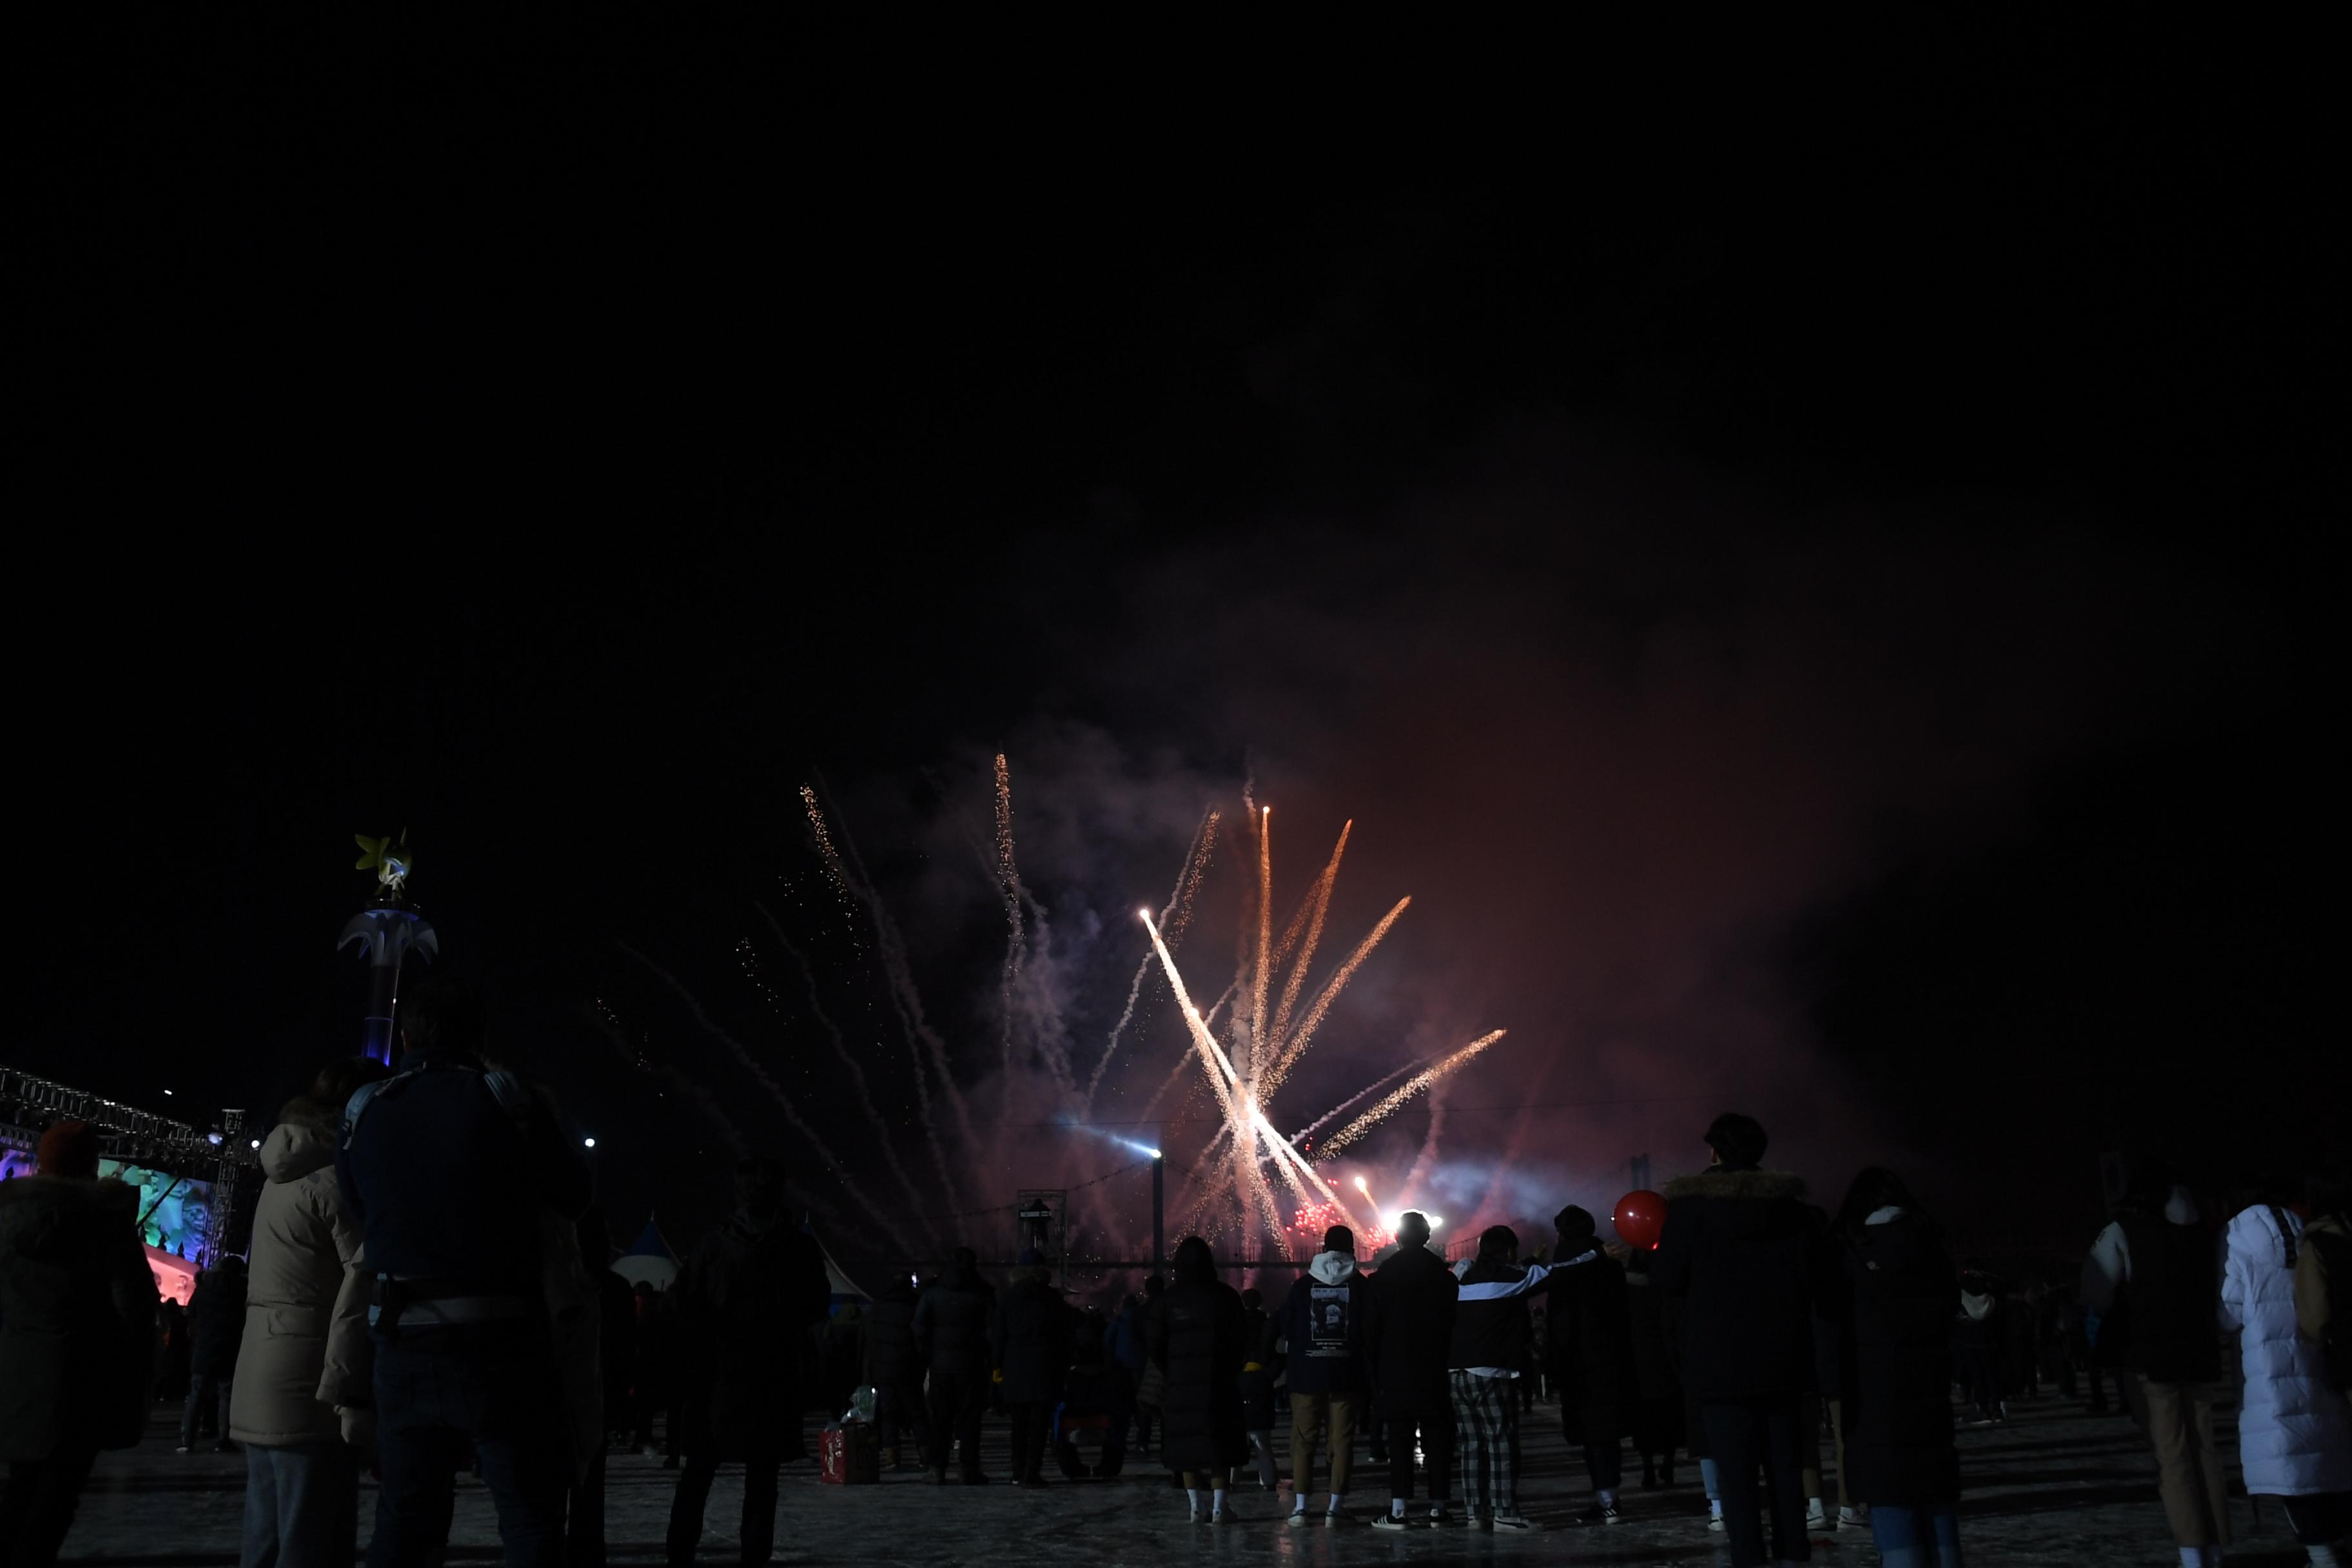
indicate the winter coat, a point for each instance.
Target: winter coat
{"x":1739,"y":1247}
{"x":1320,"y":1325}
{"x":1029,"y":1340}
{"x":217,"y":1318}
{"x":1196,"y":1338}
{"x":1898,"y":1411}
{"x":952,"y":1325}
{"x":1589,"y":1344}
{"x":2294,"y":1433}
{"x":747,"y":1301}
{"x":1659,"y":1414}
{"x":2157,"y":1286}
{"x":77,"y":1317}
{"x":891,"y":1361}
{"x":305,"y":1347}
{"x":1409,"y":1332}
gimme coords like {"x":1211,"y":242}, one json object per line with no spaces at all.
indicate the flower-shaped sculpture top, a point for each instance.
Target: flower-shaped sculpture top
{"x":390,"y":862}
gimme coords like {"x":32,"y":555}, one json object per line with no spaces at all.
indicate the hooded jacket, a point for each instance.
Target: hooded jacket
{"x":1030,"y":1339}
{"x":1492,"y":1326}
{"x":2154,"y":1279}
{"x":77,"y":1317}
{"x":952,"y":1325}
{"x":1738,"y":1248}
{"x":1898,"y":1405}
{"x":305,"y":1346}
{"x":2294,"y":1433}
{"x":1196,"y":1337}
{"x":1321,"y":1327}
{"x":1409,"y":1332}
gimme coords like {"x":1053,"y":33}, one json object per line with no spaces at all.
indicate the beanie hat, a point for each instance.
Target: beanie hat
{"x":69,"y":1149}
{"x":1339,"y":1238}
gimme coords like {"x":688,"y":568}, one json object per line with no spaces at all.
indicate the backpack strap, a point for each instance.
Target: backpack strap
{"x":513,"y":1098}
{"x":2286,"y":1234}
{"x":366,"y":1095}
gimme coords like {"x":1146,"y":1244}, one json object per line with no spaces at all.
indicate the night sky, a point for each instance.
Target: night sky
{"x":1809,"y":566}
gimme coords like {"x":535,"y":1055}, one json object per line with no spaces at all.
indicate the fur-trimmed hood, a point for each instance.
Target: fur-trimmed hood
{"x":302,"y":1141}
{"x":1717,"y":1183}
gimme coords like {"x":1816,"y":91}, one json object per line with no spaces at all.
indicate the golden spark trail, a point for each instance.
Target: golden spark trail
{"x":1402,"y":1092}
{"x":831,"y":857}
{"x":1348,"y":1104}
{"x":1179,"y":907}
{"x":1319,"y":901}
{"x":1261,"y":1048}
{"x":1296,"y":1047}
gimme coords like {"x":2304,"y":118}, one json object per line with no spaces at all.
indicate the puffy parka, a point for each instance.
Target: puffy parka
{"x":2294,"y":1433}
{"x":305,"y":1347}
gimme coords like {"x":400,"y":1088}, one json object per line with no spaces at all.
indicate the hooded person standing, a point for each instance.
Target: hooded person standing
{"x":1408,"y":1342}
{"x":2153,"y":1277}
{"x":1739,"y":1249}
{"x":77,"y":1327}
{"x":1029,"y":1341}
{"x":1320,"y":1328}
{"x":951,"y":1335}
{"x":747,"y":1299}
{"x":1492,"y":1328}
{"x":1897,"y":1393}
{"x":300,"y":1402}
{"x":1197,"y":1338}
{"x":2294,"y":1432}
{"x":1591,"y":1346}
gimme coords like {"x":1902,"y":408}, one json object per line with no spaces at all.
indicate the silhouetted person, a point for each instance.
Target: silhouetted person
{"x":451,"y":1168}
{"x":1257,"y":1389}
{"x":1321,"y":1325}
{"x":302,"y":1400}
{"x":1408,"y":1342}
{"x":76,"y":1326}
{"x":215,"y":1333}
{"x":952,"y":1333}
{"x":747,"y":1299}
{"x":1658,"y":1411}
{"x":1741,"y":1250}
{"x":1196,"y":1338}
{"x":894,"y":1370}
{"x":1590,"y":1342}
{"x":1099,"y":1395}
{"x":1898,"y":1405}
{"x":1029,"y":1341}
{"x":1492,"y":1327}
{"x":1980,"y":1326}
{"x":2153,"y":1275}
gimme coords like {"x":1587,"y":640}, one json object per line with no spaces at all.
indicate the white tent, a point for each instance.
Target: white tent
{"x":649,"y":1261}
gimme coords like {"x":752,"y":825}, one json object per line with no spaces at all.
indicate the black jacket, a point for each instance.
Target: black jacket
{"x":450,"y":1178}
{"x":892,"y":1361}
{"x":1588,"y":1343}
{"x":1195,"y":1337}
{"x":2168,"y":1311}
{"x":952,"y":1325}
{"x":216,"y":1321}
{"x":1741,"y":1248}
{"x":746,"y":1302}
{"x":1321,"y":1325}
{"x":1409,"y":1332}
{"x":1898,"y":1410}
{"x":1029,"y":1339}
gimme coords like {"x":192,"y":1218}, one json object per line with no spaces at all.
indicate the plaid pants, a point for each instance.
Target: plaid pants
{"x":1487,"y":1436}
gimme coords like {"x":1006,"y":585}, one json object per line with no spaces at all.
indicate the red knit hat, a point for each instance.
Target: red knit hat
{"x":69,"y":1149}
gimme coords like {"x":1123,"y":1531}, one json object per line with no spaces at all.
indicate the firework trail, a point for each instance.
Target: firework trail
{"x":1220,"y":1071}
{"x":1404,"y":1091}
{"x":904,"y":998}
{"x":1296,"y":1047}
{"x":1172,"y":917}
{"x":832,"y":860}
{"x":1358,"y":1098}
{"x":1008,"y":884}
{"x":1319,"y":902}
{"x":1428,"y":1155}
{"x":1049,"y":1036}
{"x":882,"y":1137}
{"x":791,"y":1112}
{"x":1261,"y":1048}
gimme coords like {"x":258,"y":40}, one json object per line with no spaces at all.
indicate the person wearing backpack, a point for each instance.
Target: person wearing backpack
{"x":2153,"y":1275}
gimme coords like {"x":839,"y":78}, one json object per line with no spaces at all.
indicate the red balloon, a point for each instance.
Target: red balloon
{"x":1640,"y":1217}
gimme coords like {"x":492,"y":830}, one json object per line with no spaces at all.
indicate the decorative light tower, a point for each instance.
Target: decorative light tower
{"x":386,"y":930}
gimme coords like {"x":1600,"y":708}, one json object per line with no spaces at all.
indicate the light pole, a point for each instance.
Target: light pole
{"x":386,"y":931}
{"x":1159,"y":1210}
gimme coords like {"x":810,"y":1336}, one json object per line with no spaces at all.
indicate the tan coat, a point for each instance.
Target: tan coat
{"x":305,"y":1349}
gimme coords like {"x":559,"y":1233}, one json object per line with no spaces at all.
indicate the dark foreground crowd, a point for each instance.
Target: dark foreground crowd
{"x":426,"y":1291}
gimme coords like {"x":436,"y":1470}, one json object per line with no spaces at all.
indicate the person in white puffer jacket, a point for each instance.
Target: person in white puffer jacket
{"x":2295,"y":1434}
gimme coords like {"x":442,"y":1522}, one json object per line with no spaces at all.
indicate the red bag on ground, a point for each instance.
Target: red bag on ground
{"x":848,"y":1455}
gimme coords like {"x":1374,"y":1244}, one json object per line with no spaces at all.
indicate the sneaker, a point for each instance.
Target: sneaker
{"x":180,"y":1449}
{"x":1226,"y":1515}
{"x":1391,"y":1522}
{"x":1602,"y":1514}
{"x":1714,"y":1521}
{"x":1297,"y":1520}
{"x":1193,"y":1515}
{"x":1816,"y":1516}
{"x":1438,"y":1518}
{"x":1853,"y":1515}
{"x":1515,"y":1521}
